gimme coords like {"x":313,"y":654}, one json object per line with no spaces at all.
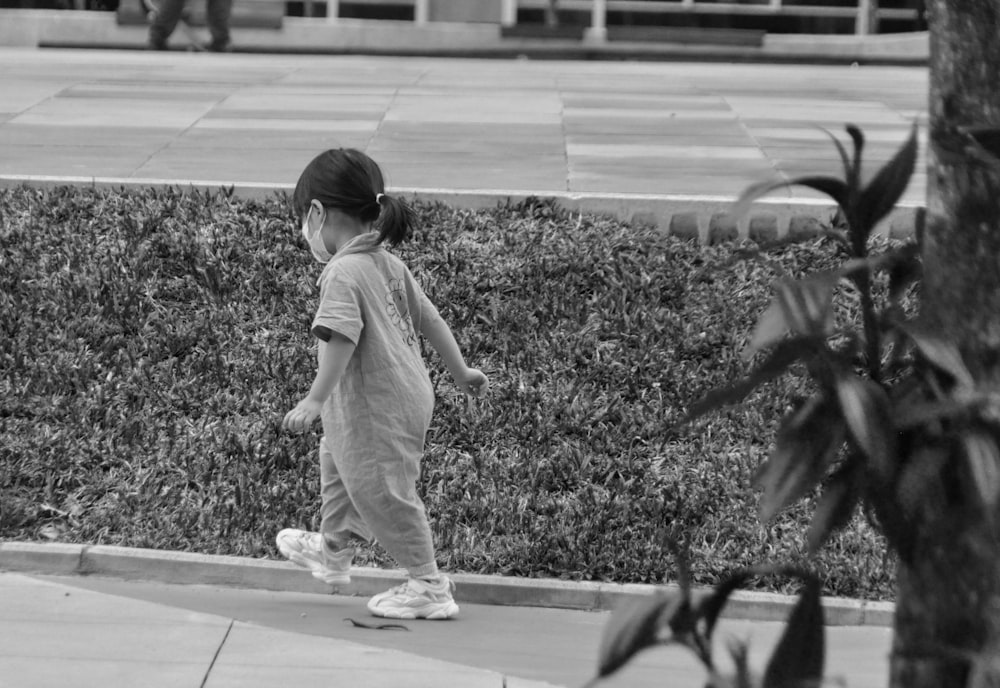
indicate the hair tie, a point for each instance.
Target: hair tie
{"x":379,"y":197}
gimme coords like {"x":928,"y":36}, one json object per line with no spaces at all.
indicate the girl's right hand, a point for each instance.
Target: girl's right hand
{"x":473,"y":382}
{"x":302,"y":416}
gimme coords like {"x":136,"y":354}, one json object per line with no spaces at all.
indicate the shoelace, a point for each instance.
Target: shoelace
{"x":304,"y":541}
{"x":402,"y":588}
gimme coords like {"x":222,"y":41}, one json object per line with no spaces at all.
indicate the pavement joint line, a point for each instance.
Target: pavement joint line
{"x":187,"y":568}
{"x":703,"y":218}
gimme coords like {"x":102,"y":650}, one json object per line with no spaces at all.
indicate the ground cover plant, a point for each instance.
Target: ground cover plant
{"x":150,"y":342}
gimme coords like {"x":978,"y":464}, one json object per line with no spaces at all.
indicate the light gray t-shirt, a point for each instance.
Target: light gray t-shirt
{"x":384,"y":400}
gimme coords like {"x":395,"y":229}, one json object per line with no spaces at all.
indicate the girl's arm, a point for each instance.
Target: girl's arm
{"x":471,"y":381}
{"x":333,"y":358}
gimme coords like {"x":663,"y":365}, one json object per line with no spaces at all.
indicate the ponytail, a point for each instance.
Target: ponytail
{"x":395,"y":222}
{"x":351,"y":182}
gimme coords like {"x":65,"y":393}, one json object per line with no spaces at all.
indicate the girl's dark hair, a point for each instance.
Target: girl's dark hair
{"x":349,"y":181}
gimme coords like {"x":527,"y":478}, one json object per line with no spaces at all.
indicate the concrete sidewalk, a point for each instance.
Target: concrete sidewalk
{"x":101,"y":632}
{"x":669,"y":144}
{"x":106,"y":615}
{"x":54,"y":634}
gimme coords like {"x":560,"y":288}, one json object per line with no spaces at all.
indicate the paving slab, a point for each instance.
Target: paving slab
{"x":260,"y":656}
{"x":50,"y":633}
{"x":20,"y":161}
{"x":16,"y":134}
{"x":227,"y":142}
{"x":53,"y":633}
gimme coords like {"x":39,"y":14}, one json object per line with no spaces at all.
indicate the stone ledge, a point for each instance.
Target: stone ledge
{"x":187,"y":568}
{"x":704,"y":219}
{"x":31,"y":557}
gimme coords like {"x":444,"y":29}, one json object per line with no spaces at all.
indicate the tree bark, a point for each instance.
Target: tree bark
{"x":947,"y":613}
{"x":962,"y":248}
{"x":948,"y":595}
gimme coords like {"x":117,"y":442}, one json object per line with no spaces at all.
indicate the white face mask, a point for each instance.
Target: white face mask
{"x":315,"y":241}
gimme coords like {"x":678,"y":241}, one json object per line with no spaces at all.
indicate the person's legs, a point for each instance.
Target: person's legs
{"x":383,"y":489}
{"x":217,"y":16}
{"x":377,"y":430}
{"x":165,"y":19}
{"x":383,"y":492}
{"x":329,"y":553}
{"x":340,"y":521}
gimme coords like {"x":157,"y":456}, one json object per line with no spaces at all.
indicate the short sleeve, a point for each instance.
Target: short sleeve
{"x":428,"y":311}
{"x":422,"y":310}
{"x":339,"y":311}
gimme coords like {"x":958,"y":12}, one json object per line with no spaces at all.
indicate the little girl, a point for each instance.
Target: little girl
{"x":371,"y":390}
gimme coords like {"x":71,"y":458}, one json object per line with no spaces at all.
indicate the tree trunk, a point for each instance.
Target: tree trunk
{"x":948,"y":596}
{"x":963,"y":199}
{"x":947,"y":613}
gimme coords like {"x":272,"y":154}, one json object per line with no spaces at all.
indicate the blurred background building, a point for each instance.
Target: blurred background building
{"x":777,"y":16}
{"x":528,"y":27}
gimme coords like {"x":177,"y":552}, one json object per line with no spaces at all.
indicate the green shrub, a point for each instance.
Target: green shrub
{"x":151,"y":341}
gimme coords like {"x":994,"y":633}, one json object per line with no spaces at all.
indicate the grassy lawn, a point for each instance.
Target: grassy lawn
{"x":150,"y":343}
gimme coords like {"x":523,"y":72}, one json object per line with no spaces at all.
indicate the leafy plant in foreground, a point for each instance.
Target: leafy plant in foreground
{"x":896,"y":425}
{"x":677,"y":617}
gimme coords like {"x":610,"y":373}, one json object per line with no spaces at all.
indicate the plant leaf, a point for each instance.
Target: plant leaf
{"x":777,"y":362}
{"x":906,"y":416}
{"x":940,"y":353}
{"x":802,"y":307}
{"x":885,"y":190}
{"x":850,"y":268}
{"x":831,"y":186}
{"x":769,"y":329}
{"x":633,"y":627}
{"x":799,"y":656}
{"x":866,"y":410}
{"x":377,"y":627}
{"x":858,"y":137}
{"x":807,"y":443}
{"x":985,"y":141}
{"x":903,"y":265}
{"x":836,"y":506}
{"x":710,"y":607}
{"x":848,"y":165}
{"x":983,"y":460}
{"x":808,"y":303}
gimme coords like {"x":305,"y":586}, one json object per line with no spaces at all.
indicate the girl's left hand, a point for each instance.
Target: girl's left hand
{"x":302,"y":416}
{"x":473,"y":382}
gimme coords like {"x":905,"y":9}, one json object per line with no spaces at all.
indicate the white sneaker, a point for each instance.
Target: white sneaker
{"x":416,"y":599}
{"x":306,"y":549}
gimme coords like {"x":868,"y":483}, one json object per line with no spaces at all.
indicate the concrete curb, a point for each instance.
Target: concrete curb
{"x":704,"y":219}
{"x":188,"y":568}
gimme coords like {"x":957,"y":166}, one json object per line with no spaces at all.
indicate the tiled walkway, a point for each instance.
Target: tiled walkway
{"x":543,"y":127}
